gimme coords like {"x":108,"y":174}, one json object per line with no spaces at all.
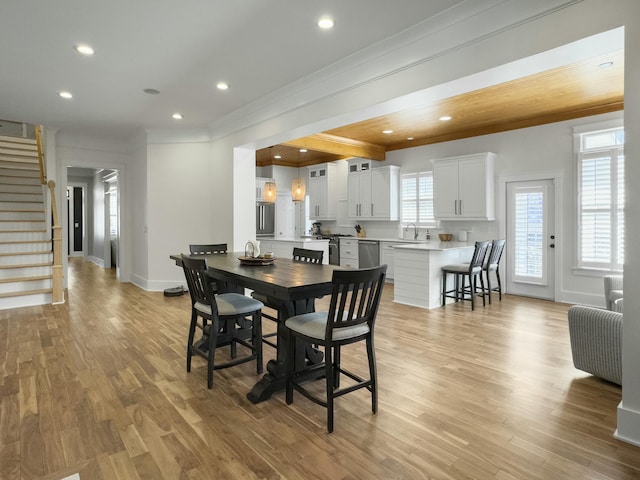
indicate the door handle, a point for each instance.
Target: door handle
{"x":553,"y":245}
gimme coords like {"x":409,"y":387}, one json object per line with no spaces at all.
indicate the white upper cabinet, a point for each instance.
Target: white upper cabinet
{"x":372,"y":193}
{"x":326,"y":185}
{"x":463,"y":187}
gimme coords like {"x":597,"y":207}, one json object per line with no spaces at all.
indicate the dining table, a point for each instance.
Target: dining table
{"x":294,"y":285}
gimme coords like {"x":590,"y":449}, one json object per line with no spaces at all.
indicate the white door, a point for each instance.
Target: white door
{"x":530,"y":251}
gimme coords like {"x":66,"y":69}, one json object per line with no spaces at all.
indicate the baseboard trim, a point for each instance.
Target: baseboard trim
{"x":628,"y":425}
{"x":96,"y":260}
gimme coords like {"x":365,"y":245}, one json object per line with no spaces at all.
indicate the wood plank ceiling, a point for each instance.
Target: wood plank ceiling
{"x":581,"y":89}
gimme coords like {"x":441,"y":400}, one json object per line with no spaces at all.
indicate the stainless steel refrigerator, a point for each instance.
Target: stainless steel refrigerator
{"x":265,"y":219}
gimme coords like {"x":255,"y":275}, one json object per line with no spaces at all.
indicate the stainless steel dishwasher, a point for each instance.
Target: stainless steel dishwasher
{"x":368,"y":253}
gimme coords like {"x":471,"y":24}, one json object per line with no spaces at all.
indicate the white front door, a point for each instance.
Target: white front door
{"x":531,"y":239}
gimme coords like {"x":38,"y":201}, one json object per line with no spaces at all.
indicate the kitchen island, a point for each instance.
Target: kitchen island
{"x":418,"y":275}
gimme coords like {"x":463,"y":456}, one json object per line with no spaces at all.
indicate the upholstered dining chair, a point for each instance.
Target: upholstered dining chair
{"x":464,"y":271}
{"x":226,"y":319}
{"x":351,"y":317}
{"x":208,"y":248}
{"x":299,"y":255}
{"x":493,"y":265}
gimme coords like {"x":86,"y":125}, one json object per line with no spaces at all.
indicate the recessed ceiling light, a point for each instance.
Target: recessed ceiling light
{"x":222,"y":86}
{"x":387,"y":132}
{"x":606,"y":64}
{"x":177,"y":116}
{"x":409,"y":138}
{"x":326,"y":23}
{"x":303,"y":150}
{"x":151,"y":91}
{"x":445,"y":118}
{"x":84,"y":49}
{"x":66,"y":95}
{"x":277,"y":157}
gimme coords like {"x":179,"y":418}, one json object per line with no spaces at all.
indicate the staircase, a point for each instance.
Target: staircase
{"x":26,"y":256}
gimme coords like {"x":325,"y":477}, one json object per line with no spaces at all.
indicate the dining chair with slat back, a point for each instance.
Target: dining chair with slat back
{"x":351,"y":317}
{"x":304,"y":255}
{"x":226,"y":319}
{"x":208,"y":248}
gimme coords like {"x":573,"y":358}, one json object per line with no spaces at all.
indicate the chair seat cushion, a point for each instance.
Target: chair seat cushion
{"x":314,"y":325}
{"x":459,"y":268}
{"x":231,"y":304}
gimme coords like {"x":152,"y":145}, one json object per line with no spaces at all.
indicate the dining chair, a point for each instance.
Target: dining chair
{"x":207,"y":248}
{"x":299,"y":255}
{"x":493,"y":265}
{"x":227,"y":319}
{"x":464,"y":271}
{"x":353,"y":308}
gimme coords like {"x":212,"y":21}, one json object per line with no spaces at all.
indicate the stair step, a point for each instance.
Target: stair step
{"x":19,"y":154}
{"x":22,"y":140}
{"x":27,"y":300}
{"x":18,"y":180}
{"x":26,"y":235}
{"x":26,"y":147}
{"x":29,"y":259}
{"x":39,"y":246}
{"x":13,"y":271}
{"x":21,"y":197}
{"x":11,"y":226}
{"x":13,"y":172}
{"x":26,"y":279}
{"x":7,"y":161}
{"x":27,"y":292}
{"x":22,"y":216}
{"x":21,"y":206}
{"x":19,"y":188}
{"x":25,"y":285}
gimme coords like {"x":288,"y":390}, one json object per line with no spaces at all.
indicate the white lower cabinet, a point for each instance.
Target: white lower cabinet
{"x":349,"y":253}
{"x":284,"y":248}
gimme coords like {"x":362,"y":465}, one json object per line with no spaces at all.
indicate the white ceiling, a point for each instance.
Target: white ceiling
{"x":181,"y":48}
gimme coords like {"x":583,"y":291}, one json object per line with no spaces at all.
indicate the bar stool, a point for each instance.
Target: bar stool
{"x":462,"y":271}
{"x":493,"y":265}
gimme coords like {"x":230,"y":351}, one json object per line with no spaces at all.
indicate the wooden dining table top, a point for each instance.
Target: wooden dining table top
{"x":285,"y":279}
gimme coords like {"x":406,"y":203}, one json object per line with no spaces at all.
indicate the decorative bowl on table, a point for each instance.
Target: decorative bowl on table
{"x":445,"y":237}
{"x":256,"y":261}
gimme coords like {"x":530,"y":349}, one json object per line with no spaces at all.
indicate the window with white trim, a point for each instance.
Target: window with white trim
{"x":601,"y":200}
{"x":416,"y":199}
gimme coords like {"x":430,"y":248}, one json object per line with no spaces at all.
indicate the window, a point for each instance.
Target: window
{"x":601,"y":200}
{"x":416,"y":193}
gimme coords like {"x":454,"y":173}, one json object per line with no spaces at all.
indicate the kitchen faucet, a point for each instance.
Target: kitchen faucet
{"x":415,"y":230}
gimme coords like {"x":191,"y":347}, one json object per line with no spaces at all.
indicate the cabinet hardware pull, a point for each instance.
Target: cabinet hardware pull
{"x":455,"y":207}
{"x":460,"y":207}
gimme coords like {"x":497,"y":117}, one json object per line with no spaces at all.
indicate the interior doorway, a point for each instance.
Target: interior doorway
{"x":76,"y":213}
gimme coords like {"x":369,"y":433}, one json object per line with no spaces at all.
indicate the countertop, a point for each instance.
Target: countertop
{"x":435,"y":245}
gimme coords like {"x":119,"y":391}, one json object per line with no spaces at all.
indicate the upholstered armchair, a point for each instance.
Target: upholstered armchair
{"x":596,"y":341}
{"x":612,"y":289}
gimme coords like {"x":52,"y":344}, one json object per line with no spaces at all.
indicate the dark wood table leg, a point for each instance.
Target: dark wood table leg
{"x":274,"y":380}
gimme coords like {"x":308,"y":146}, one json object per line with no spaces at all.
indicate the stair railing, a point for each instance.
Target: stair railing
{"x":57,"y":295}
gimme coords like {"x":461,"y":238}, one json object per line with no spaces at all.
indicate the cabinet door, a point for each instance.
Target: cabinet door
{"x":472,"y":188}
{"x":445,"y":189}
{"x":353,"y":194}
{"x":321,"y":194}
{"x":381,"y":194}
{"x":366,"y":195}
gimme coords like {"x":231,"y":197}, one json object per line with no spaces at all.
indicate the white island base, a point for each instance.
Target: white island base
{"x":418,"y":274}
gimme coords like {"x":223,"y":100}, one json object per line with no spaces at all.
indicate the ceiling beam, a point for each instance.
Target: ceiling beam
{"x":323,"y":142}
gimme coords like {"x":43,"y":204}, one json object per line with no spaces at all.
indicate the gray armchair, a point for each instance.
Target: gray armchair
{"x":596,"y":341}
{"x":612,"y":289}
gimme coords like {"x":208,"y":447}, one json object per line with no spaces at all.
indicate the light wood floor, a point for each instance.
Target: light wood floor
{"x":98,"y":386}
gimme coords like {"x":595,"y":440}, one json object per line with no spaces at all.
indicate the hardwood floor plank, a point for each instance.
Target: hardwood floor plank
{"x":98,"y":387}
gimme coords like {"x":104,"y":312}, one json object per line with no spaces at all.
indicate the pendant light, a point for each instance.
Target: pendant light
{"x":297,"y":189}
{"x":269,"y":189}
{"x":269,"y":192}
{"x":297,"y":186}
